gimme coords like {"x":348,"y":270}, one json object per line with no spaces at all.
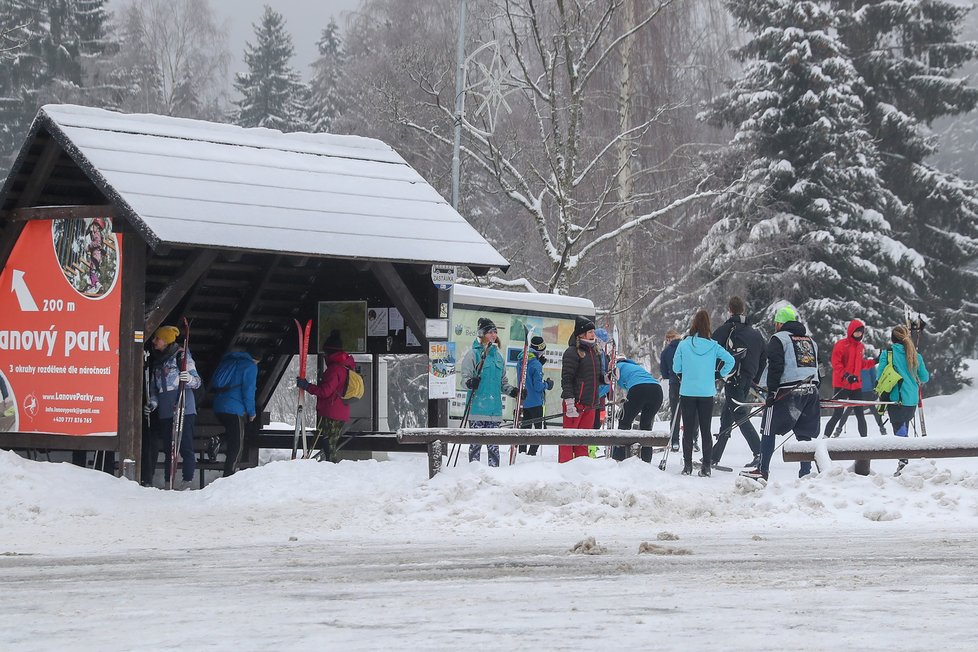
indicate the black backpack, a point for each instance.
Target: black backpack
{"x":738,"y":353}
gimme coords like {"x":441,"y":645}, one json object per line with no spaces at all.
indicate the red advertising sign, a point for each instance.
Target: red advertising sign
{"x":60,"y":301}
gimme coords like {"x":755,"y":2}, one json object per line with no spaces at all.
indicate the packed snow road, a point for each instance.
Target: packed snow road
{"x":738,"y":588}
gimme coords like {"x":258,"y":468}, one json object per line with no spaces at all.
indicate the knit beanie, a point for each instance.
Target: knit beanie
{"x":537,"y":343}
{"x":785,"y":314}
{"x":334,"y":342}
{"x":168,"y":334}
{"x":486,"y":325}
{"x":582,"y":325}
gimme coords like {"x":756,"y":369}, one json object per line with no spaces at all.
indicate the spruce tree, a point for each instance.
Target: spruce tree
{"x":805,"y":216}
{"x":25,"y":28}
{"x":908,"y":53}
{"x":273,"y":94}
{"x":324,"y":93}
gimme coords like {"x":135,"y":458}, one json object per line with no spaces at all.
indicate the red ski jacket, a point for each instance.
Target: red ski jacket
{"x":848,"y":358}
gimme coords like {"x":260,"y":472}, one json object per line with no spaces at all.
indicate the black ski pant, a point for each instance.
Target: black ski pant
{"x":697,"y":416}
{"x":866,"y":396}
{"x":731,"y":414}
{"x":532,"y":418}
{"x":673,"y":410}
{"x":233,"y":436}
{"x":644,"y":400}
{"x":838,"y":414}
{"x":161,"y":434}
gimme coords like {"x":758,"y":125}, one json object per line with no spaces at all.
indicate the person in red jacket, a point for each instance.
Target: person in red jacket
{"x":333,"y":411}
{"x":848,"y":362}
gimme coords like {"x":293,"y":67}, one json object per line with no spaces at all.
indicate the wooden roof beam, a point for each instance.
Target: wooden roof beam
{"x":62,"y":213}
{"x":401,"y":296}
{"x":170,"y":296}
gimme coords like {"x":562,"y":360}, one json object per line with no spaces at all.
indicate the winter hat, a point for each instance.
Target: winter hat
{"x":582,"y":325}
{"x":486,"y":325}
{"x":537,"y":343}
{"x":334,"y":342}
{"x":168,"y":334}
{"x":785,"y":314}
{"x":602,"y":335}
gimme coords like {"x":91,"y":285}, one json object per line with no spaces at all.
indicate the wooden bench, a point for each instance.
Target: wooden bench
{"x":435,"y":438}
{"x":864,"y":449}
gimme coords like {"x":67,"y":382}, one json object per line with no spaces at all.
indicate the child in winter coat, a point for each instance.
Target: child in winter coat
{"x":332,"y":410}
{"x":696,"y":363}
{"x":848,"y":363}
{"x":536,"y":388}
{"x":483,"y":371}
{"x":666,"y":373}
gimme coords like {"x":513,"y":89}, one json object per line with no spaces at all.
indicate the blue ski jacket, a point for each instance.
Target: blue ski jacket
{"x":631,"y":373}
{"x":696,"y":360}
{"x":536,"y":386}
{"x":907,"y":391}
{"x":238,"y":397}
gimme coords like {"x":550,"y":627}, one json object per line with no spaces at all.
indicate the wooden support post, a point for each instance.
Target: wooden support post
{"x":131,"y":337}
{"x":434,"y":458}
{"x":400,"y":295}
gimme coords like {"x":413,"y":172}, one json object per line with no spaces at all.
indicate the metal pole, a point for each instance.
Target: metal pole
{"x":459,"y":103}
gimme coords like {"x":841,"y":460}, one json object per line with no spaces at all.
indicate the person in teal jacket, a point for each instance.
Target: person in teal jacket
{"x":483,"y":371}
{"x":906,"y":395}
{"x":695,"y":362}
{"x":643,"y":396}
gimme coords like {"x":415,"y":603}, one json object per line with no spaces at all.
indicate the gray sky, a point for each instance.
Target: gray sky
{"x":304,"y":20}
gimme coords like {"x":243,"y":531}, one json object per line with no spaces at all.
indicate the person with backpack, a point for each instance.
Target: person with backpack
{"x":581,"y":378}
{"x":483,"y":371}
{"x":332,"y":410}
{"x":165,"y":375}
{"x":536,"y":388}
{"x":643,"y":396}
{"x":848,"y":363}
{"x":905,"y":393}
{"x":791,"y":378}
{"x":696,"y":364}
{"x":746,"y":345}
{"x":868,"y":378}
{"x":666,"y":373}
{"x":234,"y":388}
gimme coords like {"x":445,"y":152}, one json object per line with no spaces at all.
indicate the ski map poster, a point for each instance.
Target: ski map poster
{"x":441,"y":369}
{"x":59,"y":332}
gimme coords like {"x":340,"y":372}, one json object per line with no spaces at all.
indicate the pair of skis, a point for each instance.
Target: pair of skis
{"x":300,"y":428}
{"x":520,"y":387}
{"x":179,"y":411}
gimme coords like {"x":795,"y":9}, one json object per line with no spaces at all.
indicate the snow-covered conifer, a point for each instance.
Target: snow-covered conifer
{"x":806,"y":217}
{"x":273,"y":93}
{"x":324,"y":93}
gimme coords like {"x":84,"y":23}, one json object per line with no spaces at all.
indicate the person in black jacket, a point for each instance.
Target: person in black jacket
{"x":747,"y":346}
{"x":581,"y":375}
{"x":666,"y":373}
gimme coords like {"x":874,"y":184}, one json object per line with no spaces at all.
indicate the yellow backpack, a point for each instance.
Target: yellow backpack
{"x":354,"y":386}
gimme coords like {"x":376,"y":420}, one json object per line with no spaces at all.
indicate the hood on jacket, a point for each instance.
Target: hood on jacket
{"x":794,"y":327}
{"x":700,"y":345}
{"x":342,"y":358}
{"x":854,"y":326}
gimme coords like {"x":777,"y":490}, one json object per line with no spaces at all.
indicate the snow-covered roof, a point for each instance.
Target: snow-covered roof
{"x":199,"y":183}
{"x":467,"y":295}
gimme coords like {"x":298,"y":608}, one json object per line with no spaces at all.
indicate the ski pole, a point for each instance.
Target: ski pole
{"x":672,"y":428}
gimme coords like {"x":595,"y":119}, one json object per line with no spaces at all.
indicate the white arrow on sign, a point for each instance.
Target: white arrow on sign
{"x":19,"y":287}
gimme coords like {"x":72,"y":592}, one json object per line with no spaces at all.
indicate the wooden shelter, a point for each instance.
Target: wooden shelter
{"x":241,"y":231}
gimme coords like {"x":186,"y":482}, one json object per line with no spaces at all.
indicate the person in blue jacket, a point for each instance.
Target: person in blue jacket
{"x":696,"y":363}
{"x":234,"y":401}
{"x":486,"y":385}
{"x":643,"y":396}
{"x":666,"y":373}
{"x":536,"y":388}
{"x":906,"y":395}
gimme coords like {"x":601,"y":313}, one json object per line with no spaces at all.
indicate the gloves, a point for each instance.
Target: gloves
{"x":473,"y":383}
{"x":852,"y":379}
{"x":301,"y":383}
{"x":512,"y":392}
{"x":769,"y":399}
{"x":548,"y":383}
{"x":570,"y":409}
{"x":184,"y":377}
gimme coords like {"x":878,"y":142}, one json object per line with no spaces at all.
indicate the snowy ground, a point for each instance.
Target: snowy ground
{"x":367,"y":555}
